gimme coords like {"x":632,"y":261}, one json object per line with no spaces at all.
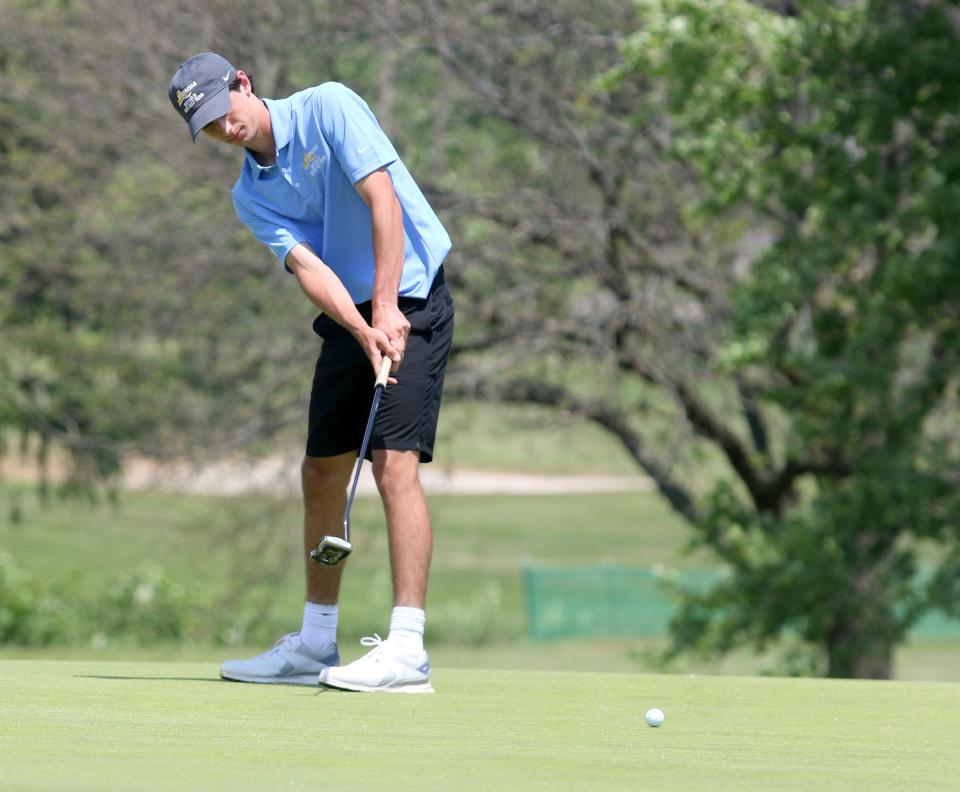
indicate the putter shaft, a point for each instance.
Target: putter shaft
{"x":332,"y":549}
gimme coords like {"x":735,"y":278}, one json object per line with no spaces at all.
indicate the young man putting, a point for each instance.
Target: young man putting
{"x":324,"y":189}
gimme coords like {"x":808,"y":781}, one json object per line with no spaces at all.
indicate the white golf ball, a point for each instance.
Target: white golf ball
{"x":654,"y":717}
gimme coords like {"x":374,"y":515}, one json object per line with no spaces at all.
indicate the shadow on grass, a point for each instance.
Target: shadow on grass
{"x":311,"y":688}
{"x":148,"y":679}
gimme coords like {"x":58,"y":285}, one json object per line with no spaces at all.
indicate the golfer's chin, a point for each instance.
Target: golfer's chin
{"x":230,"y":140}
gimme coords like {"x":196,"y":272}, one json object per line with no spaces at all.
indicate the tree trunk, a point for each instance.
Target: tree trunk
{"x":856,"y":652}
{"x":860,"y":662}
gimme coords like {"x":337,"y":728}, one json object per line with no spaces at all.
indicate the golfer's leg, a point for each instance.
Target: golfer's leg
{"x":324,"y":499}
{"x":300,"y":657}
{"x":408,"y":524}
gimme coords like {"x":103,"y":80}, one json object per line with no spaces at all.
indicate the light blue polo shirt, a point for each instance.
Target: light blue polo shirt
{"x":327,"y":140}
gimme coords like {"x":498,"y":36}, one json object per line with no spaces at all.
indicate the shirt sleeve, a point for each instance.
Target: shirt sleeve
{"x":351,"y":130}
{"x":268,"y":227}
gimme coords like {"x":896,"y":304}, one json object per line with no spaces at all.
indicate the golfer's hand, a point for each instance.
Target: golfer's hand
{"x":377,"y":346}
{"x":390,"y":320}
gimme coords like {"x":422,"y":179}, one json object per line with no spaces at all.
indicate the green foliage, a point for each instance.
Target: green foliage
{"x":144,"y":607}
{"x":137,"y":314}
{"x":473,"y":621}
{"x":716,"y":56}
{"x":838,"y":130}
{"x":18,"y":604}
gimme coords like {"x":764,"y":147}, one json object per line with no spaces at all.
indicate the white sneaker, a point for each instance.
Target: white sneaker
{"x":387,"y":668}
{"x":288,"y":663}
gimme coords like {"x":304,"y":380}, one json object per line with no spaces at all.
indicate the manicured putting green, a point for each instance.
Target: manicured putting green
{"x":174,"y":726}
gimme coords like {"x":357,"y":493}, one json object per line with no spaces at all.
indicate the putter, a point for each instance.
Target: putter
{"x":332,"y":549}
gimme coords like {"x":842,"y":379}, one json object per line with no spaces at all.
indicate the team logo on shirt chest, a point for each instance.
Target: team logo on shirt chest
{"x":312,"y":161}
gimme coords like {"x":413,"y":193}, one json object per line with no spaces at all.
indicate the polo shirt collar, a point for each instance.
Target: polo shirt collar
{"x":281,"y":122}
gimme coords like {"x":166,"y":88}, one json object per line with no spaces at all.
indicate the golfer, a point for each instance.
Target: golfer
{"x":324,"y":189}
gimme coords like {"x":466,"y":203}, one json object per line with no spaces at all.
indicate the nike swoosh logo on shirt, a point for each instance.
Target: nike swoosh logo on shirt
{"x":361,"y":150}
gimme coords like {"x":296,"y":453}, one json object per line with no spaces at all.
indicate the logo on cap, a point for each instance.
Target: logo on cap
{"x":186,"y":100}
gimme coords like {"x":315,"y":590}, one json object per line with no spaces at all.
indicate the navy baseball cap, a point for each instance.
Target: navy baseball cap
{"x":199,"y":90}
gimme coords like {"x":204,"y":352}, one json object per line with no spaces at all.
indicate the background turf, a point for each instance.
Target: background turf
{"x":243,"y":555}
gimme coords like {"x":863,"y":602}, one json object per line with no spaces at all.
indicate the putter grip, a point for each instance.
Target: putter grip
{"x":384,"y":371}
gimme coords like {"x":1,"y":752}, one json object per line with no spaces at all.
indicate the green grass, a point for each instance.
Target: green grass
{"x":527,"y":438}
{"x":173,"y":726}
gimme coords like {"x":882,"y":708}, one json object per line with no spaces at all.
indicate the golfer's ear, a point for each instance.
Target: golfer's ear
{"x":244,"y":80}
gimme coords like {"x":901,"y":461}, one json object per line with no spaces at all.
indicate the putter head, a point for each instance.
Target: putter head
{"x":331,"y":550}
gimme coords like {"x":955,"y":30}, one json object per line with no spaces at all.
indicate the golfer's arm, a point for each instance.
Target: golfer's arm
{"x":324,"y":288}
{"x":377,"y":192}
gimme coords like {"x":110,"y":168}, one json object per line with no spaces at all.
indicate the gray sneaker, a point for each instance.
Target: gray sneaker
{"x":288,"y":663}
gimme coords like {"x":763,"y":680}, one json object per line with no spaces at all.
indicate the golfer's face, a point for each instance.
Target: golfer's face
{"x":238,"y":126}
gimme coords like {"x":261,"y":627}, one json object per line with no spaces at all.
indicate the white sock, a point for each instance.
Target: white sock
{"x":319,"y":628}
{"x":406,"y":628}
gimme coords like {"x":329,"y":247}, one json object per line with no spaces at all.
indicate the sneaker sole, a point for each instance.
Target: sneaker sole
{"x":309,"y":680}
{"x":419,"y":687}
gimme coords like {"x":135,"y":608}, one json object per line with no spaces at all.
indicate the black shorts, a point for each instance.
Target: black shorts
{"x":343,"y":382}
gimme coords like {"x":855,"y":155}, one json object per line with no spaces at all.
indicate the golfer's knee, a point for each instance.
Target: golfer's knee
{"x":319,"y":476}
{"x":396,"y":472}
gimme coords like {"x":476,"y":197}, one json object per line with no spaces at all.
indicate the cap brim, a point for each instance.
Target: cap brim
{"x":216,"y":106}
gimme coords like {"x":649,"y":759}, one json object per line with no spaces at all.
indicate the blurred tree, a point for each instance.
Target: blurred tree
{"x":137,"y":315}
{"x":837,"y":126}
{"x":709,"y":256}
{"x":577,"y":263}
